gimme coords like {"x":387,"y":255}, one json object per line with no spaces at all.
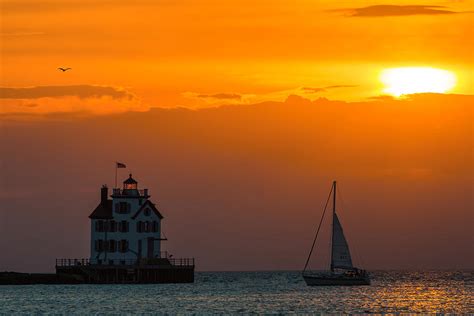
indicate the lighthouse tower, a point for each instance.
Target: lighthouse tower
{"x":127,"y":228}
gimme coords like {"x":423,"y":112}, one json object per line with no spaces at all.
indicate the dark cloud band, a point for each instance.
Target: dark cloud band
{"x":396,"y":10}
{"x":80,"y":91}
{"x":221,"y":96}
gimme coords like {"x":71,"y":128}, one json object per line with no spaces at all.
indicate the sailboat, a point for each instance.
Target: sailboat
{"x":341,"y":272}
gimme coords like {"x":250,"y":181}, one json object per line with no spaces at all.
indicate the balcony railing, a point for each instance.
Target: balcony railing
{"x":177,"y":262}
{"x":181,"y":262}
{"x":72,"y":262}
{"x":138,"y":192}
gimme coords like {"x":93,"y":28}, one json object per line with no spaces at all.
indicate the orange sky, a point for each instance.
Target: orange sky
{"x":168,"y":52}
{"x":279,"y":97}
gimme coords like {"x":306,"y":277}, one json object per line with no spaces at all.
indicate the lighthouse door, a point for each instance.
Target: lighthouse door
{"x":150,"y":247}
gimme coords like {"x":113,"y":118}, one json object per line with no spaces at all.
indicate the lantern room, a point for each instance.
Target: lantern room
{"x":130,"y":184}
{"x":130,"y":189}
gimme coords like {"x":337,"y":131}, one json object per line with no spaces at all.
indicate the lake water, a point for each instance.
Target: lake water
{"x":252,"y":292}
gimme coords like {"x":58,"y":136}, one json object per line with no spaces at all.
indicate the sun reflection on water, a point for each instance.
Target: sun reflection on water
{"x":253,"y":292}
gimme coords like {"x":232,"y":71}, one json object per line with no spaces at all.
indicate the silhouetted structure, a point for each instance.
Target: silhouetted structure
{"x":126,"y":243}
{"x":342,"y":271}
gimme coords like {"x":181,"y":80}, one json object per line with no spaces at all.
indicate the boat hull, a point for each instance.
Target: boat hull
{"x":335,"y":280}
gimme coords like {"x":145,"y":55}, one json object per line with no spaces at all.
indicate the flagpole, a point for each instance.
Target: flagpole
{"x":117,"y":166}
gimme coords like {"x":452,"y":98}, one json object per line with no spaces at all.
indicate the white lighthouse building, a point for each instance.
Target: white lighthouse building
{"x":127,"y":228}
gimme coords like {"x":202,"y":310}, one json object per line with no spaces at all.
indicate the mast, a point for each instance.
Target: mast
{"x":333,"y":215}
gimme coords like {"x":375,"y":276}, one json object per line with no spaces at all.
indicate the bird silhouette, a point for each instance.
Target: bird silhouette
{"x":63,"y":69}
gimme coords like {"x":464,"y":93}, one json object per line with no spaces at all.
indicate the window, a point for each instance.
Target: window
{"x":99,"y":226}
{"x":147,"y":212}
{"x":112,"y":246}
{"x":148,"y":226}
{"x":130,"y":186}
{"x":99,"y":245}
{"x":122,"y":207}
{"x":156,"y":227}
{"x":123,"y":245}
{"x":123,"y":227}
{"x":113,"y":226}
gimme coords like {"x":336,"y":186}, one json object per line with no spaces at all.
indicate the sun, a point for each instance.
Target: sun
{"x":407,"y":80}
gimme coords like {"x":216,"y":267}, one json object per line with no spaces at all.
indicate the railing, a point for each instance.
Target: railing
{"x":126,"y":262}
{"x":178,"y":262}
{"x":121,"y":192}
{"x":182,"y":262}
{"x":72,"y":262}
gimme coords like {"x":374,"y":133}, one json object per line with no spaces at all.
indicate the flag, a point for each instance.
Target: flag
{"x":121,"y":165}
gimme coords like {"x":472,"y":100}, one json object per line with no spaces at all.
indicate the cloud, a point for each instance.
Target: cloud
{"x":396,"y":10}
{"x":382,"y":98}
{"x":324,"y":89}
{"x":80,"y":91}
{"x":80,"y":99}
{"x":216,"y":99}
{"x":31,"y":105}
{"x":342,"y":86}
{"x":202,"y":100}
{"x":314,"y":90}
{"x":221,"y":96}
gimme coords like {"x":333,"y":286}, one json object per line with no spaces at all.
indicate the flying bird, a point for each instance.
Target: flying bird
{"x":63,"y":69}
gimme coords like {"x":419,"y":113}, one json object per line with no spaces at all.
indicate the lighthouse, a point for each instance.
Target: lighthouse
{"x":125,"y":243}
{"x":126,"y":228}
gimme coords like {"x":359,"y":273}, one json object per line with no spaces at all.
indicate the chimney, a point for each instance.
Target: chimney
{"x":104,"y":192}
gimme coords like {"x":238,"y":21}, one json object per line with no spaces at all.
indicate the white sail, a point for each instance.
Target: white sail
{"x":341,"y":256}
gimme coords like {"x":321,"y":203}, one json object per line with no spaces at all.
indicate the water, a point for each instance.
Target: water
{"x":252,"y":292}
